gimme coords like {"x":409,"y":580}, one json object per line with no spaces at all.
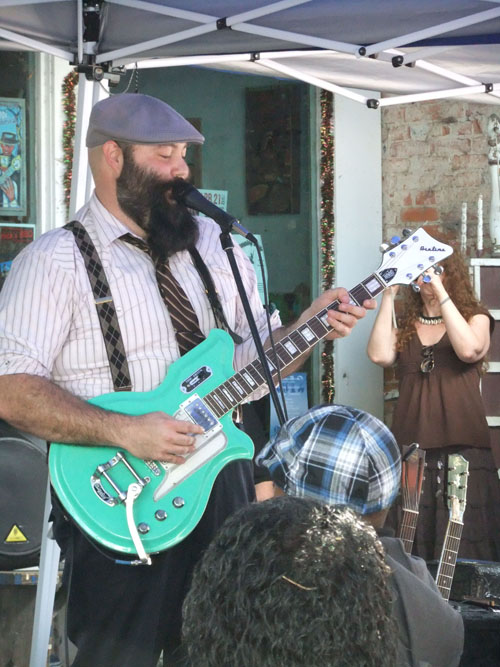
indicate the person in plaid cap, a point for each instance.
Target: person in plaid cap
{"x":346,"y":457}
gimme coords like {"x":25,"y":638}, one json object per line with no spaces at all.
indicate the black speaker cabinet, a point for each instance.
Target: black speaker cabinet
{"x":23,"y":484}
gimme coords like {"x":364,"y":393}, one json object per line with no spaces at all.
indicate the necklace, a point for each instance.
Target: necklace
{"x":430,"y":320}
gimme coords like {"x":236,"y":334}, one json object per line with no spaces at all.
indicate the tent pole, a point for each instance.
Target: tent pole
{"x":89,"y":92}
{"x":405,"y":40}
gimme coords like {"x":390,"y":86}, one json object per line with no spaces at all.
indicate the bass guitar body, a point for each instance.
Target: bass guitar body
{"x":92,"y":481}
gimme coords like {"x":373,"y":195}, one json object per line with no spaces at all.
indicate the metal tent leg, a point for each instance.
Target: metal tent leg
{"x":46,"y":590}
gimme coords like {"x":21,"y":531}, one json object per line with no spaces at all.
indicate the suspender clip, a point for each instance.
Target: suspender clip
{"x":103,"y":299}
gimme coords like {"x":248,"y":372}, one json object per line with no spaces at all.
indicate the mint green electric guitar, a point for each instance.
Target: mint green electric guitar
{"x":142,"y":507}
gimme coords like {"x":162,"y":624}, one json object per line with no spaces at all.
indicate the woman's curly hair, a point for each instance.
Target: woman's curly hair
{"x":291,"y":582}
{"x":458,"y":285}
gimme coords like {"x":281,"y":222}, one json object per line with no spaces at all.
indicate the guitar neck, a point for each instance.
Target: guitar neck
{"x":447,"y":562}
{"x":239,"y":386}
{"x":408,"y":528}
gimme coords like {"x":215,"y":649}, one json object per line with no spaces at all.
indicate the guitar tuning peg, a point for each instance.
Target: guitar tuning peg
{"x":384,"y":247}
{"x":407,"y":232}
{"x":395,"y":240}
{"x":415,"y":287}
{"x":438,"y":269}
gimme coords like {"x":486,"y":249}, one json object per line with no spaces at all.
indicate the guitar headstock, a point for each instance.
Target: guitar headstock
{"x":458,"y":473}
{"x":405,"y":260}
{"x":412,"y":475}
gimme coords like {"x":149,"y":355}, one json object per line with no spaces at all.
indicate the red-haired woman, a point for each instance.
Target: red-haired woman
{"x":439,"y":347}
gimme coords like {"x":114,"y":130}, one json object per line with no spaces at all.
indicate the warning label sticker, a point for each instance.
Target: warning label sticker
{"x":15,"y":535}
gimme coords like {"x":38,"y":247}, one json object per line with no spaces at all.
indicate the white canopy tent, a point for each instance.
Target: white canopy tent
{"x":450,"y":47}
{"x":406,"y":51}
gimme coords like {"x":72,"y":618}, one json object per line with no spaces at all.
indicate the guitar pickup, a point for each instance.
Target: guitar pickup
{"x":207,"y":445}
{"x":199,"y":413}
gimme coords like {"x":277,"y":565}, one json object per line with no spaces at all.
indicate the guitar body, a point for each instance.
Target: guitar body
{"x":181,"y":494}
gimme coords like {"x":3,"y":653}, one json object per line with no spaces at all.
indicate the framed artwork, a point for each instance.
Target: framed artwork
{"x":272,"y":141}
{"x":12,"y":157}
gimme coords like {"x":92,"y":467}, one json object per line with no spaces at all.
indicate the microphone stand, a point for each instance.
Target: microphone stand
{"x":228,"y":247}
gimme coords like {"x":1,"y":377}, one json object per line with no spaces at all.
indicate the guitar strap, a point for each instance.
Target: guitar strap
{"x":106,"y":311}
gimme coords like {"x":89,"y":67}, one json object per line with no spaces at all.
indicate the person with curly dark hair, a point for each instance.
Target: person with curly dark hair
{"x":345,"y":457}
{"x":291,"y":582}
{"x":439,"y":344}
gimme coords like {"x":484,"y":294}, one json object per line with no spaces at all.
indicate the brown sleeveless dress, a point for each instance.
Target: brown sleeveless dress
{"x":443,"y":412}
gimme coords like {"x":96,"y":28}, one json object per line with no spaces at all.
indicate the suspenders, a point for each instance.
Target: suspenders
{"x":106,"y":311}
{"x":105,"y":307}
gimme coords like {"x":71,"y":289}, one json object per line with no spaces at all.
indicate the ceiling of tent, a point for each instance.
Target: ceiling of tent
{"x":443,"y":48}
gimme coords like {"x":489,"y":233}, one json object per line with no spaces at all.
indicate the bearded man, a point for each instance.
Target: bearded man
{"x":54,"y":356}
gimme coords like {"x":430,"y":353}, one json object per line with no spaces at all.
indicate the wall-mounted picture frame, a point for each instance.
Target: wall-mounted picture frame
{"x":12,"y":157}
{"x":272,"y":143}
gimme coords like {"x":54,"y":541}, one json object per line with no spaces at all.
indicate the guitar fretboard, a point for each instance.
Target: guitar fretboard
{"x":233,"y":391}
{"x":408,"y":528}
{"x":448,"y":560}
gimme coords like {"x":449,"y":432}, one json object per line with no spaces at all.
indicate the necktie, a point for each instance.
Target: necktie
{"x":182,"y":315}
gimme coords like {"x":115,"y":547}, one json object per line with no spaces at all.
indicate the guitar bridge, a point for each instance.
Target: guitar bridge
{"x":102,"y":471}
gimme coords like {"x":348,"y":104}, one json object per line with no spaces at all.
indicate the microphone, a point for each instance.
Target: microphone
{"x":187,"y":194}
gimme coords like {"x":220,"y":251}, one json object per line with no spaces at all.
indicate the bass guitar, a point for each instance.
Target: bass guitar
{"x":458,"y":472}
{"x":142,"y":507}
{"x":412,"y":477}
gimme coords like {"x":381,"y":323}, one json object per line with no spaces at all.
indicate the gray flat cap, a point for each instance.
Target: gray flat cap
{"x":138,"y":119}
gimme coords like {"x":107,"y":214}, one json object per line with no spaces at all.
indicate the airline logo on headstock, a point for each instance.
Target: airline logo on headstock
{"x":433,"y":249}
{"x":388,"y":274}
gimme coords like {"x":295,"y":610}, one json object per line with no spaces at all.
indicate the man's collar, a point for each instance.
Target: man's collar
{"x":108,"y":228}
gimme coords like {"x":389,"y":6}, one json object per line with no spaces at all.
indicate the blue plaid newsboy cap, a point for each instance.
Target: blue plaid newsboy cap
{"x":138,"y":119}
{"x":338,"y":455}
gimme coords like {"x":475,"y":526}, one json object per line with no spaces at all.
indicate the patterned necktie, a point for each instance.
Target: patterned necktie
{"x":182,"y":315}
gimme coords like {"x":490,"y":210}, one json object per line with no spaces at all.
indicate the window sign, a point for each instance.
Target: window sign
{"x":13,"y":238}
{"x":217,"y":197}
{"x":295,"y":392}
{"x":12,"y":157}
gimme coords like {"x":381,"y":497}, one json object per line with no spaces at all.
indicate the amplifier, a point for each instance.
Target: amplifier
{"x":23,"y":483}
{"x":477,"y":579}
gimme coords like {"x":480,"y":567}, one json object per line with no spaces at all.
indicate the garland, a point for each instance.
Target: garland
{"x":327,"y":226}
{"x":69,"y":106}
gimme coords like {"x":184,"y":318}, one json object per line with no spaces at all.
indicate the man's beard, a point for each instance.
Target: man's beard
{"x":143,"y":196}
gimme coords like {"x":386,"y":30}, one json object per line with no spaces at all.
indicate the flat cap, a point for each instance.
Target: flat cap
{"x":336,"y":454}
{"x":138,"y":119}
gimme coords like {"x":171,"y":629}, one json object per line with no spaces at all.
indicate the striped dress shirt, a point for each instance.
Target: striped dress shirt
{"x":48,"y":320}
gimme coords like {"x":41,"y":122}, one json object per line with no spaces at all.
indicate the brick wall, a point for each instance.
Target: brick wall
{"x":434,"y":158}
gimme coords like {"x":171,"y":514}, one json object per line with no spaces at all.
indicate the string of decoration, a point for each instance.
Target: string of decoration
{"x":327,"y":227}
{"x":69,"y":106}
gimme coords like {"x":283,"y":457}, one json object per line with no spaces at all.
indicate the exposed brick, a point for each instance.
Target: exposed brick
{"x":425,"y":198}
{"x":419,"y":214}
{"x":420,"y":131}
{"x":450,"y":145}
{"x":407,"y":201}
{"x":406,"y":148}
{"x":459,"y":162}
